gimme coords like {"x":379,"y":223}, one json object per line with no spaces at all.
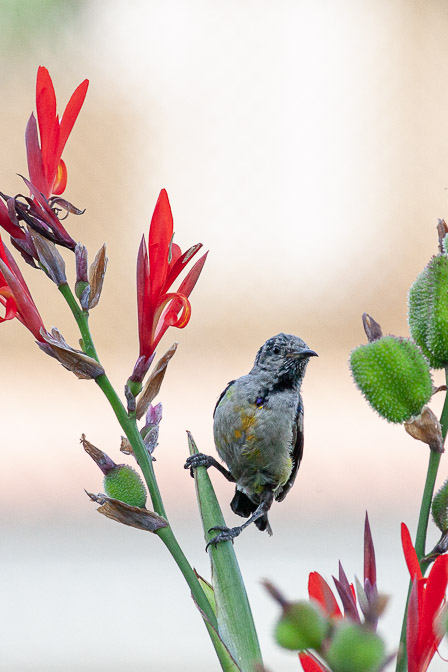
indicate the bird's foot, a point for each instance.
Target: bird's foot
{"x":225,"y":534}
{"x":198,"y":460}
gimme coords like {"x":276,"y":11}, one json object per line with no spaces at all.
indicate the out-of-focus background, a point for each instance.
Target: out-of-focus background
{"x":306,"y":145}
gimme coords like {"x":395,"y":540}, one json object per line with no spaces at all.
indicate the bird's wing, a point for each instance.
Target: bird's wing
{"x":297,"y":452}
{"x":222,"y":395}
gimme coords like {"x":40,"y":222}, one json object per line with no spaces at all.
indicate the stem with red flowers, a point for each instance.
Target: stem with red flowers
{"x":422,"y":527}
{"x":130,"y":428}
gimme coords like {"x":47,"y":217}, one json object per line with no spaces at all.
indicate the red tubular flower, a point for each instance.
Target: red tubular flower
{"x":425,"y":602}
{"x":15,"y":295}
{"x":158,"y":266}
{"x":47,"y":170}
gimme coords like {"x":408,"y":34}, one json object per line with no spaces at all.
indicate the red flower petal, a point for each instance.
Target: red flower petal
{"x":412,"y":630}
{"x":319,"y":590}
{"x":160,"y":235}
{"x":34,"y":157}
{"x":410,"y":554}
{"x":310,"y":663}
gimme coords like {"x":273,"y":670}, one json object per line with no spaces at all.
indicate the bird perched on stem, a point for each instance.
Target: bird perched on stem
{"x":258,"y":431}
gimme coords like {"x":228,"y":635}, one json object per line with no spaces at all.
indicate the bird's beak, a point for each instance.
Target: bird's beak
{"x":302,"y":353}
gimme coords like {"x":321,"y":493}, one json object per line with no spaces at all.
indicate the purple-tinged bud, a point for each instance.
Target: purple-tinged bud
{"x":49,"y":258}
{"x":97,"y":273}
{"x":82,"y":287}
{"x":154,"y":414}
{"x":140,"y":370}
{"x":104,"y":462}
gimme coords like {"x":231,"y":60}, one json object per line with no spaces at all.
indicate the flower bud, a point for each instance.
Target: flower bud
{"x":354,"y":649}
{"x":123,"y":483}
{"x":428,"y":311}
{"x":394,"y":377}
{"x":301,"y":626}
{"x":439,"y":507}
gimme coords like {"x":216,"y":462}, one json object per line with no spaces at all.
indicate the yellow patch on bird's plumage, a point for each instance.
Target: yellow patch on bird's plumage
{"x":247,"y":419}
{"x":237,"y":434}
{"x":286,"y":471}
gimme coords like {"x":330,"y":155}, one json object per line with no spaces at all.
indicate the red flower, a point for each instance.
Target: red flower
{"x":15,"y":295}
{"x":158,"y":266}
{"x":426,"y":599}
{"x":310,"y":663}
{"x":47,"y":170}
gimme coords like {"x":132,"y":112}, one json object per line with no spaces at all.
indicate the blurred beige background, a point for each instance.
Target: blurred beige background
{"x":305,"y":144}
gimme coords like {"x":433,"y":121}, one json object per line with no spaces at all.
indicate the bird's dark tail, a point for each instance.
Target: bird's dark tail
{"x":245,"y":507}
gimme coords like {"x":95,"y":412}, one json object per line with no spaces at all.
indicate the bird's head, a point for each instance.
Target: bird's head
{"x":285,"y":358}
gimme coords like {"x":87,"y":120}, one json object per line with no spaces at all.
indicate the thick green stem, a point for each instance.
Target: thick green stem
{"x":422,"y":527}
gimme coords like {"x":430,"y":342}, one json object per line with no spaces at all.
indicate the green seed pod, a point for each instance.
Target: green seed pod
{"x":439,"y":508}
{"x":428,"y":311}
{"x":354,"y":649}
{"x":123,"y":483}
{"x":301,"y":626}
{"x":394,"y":377}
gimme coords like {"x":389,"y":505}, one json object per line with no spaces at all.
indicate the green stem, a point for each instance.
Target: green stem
{"x":422,"y":527}
{"x":82,"y":320}
{"x":144,"y":460}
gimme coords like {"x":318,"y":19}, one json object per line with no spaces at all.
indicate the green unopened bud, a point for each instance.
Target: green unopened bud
{"x":301,"y":626}
{"x":428,"y":311}
{"x":394,"y":377}
{"x":439,"y":508}
{"x":354,"y":649}
{"x":123,"y":483}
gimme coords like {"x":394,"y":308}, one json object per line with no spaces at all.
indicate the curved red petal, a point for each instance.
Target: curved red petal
{"x":45,"y":105}
{"x":34,"y":158}
{"x":71,"y":112}
{"x":412,"y":629}
{"x":319,"y":590}
{"x":159,"y":239}
{"x":409,"y":554}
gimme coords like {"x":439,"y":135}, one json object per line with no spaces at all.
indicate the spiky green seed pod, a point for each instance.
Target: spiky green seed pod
{"x":123,"y":483}
{"x":394,"y":377}
{"x":439,"y":508}
{"x":301,"y":626}
{"x":354,"y":649}
{"x":428,"y":311}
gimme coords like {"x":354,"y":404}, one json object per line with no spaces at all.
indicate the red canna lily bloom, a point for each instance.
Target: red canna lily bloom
{"x":47,"y":170}
{"x":15,"y":296}
{"x":425,"y":602}
{"x":158,"y":266}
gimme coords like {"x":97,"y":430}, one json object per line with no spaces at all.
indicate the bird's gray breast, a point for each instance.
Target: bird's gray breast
{"x":253,"y":431}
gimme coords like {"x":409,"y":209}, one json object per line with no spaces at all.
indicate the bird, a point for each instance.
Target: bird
{"x":258,"y":432}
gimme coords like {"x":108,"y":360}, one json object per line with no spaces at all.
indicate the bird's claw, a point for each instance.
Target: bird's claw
{"x":225,"y":534}
{"x":195,"y":461}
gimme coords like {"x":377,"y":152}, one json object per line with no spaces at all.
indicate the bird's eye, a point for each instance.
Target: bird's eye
{"x":276,"y":350}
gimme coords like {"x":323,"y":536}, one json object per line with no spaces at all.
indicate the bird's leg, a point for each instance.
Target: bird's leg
{"x":229,"y":533}
{"x":201,"y":460}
